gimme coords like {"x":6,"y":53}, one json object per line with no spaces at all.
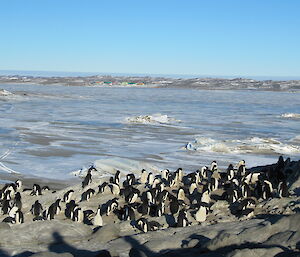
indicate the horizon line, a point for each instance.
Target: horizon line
{"x":89,"y":73}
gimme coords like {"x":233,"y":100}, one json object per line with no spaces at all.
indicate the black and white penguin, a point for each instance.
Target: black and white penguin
{"x":68,"y":196}
{"x":180,"y":194}
{"x":179,"y":175}
{"x":230,"y":172}
{"x":19,"y":217}
{"x":130,"y":178}
{"x":174,"y":205}
{"x":153,"y":225}
{"x":132,"y":198}
{"x":214,"y":184}
{"x":53,"y":210}
{"x":18,"y":200}
{"x":102,"y":187}
{"x":88,"y":178}
{"x":193,"y":188}
{"x":13,"y":211}
{"x":77,"y":214}
{"x":87,"y":194}
{"x":165,"y":174}
{"x":117,"y":177}
{"x":98,"y":221}
{"x":213,"y":166}
{"x":18,"y":184}
{"x":6,"y":206}
{"x":111,"y":206}
{"x":162,"y":196}
{"x":283,"y":189}
{"x":246,"y":190}
{"x":128,"y":213}
{"x":267,"y":190}
{"x":144,"y":176}
{"x":201,"y":214}
{"x":241,"y":168}
{"x":36,"y":190}
{"x":114,"y":188}
{"x":36,"y":209}
{"x":142,"y":224}
{"x":182,"y":220}
{"x":70,"y":208}
{"x":150,"y":179}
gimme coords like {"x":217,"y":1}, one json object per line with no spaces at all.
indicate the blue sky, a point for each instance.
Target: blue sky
{"x":213,"y":37}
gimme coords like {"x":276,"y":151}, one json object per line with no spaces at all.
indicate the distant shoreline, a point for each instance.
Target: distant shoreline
{"x":157,"y":82}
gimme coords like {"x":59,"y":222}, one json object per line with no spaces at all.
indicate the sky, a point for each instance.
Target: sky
{"x":212,"y":37}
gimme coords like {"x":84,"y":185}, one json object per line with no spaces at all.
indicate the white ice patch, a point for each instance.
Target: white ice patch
{"x":4,"y":92}
{"x":253,"y":145}
{"x":108,"y":167}
{"x":291,"y":115}
{"x":152,"y":119}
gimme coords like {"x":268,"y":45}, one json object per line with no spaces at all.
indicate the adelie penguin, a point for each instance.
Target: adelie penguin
{"x":77,"y":214}
{"x":88,"y":178}
{"x":68,"y":196}
{"x":18,"y":184}
{"x":117,"y":177}
{"x":182,"y":220}
{"x":98,"y":221}
{"x":283,"y":189}
{"x":144,"y":176}
{"x":18,"y":201}
{"x":53,"y":210}
{"x":145,"y":225}
{"x":36,"y":190}
{"x":102,"y":187}
{"x":36,"y":209}
{"x":111,"y":206}
{"x":70,"y":208}
{"x":87,"y":194}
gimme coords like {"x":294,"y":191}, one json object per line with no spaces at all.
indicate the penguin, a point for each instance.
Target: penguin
{"x":114,"y":188}
{"x":180,"y":194}
{"x":144,"y":176}
{"x":155,"y":183}
{"x":130,"y":179}
{"x":174,"y":205}
{"x":36,"y":209}
{"x":267,"y":190}
{"x":179,"y":175}
{"x":18,"y":184}
{"x":98,"y":221}
{"x":36,"y":190}
{"x":117,"y":177}
{"x":128,"y":213}
{"x":182,"y":220}
{"x":283,"y":189}
{"x":193,"y":189}
{"x":150,"y":179}
{"x":142,"y":224}
{"x":19,"y":217}
{"x":77,"y":214}
{"x":165,"y":174}
{"x":132,"y":198}
{"x":153,"y":225}
{"x":45,"y":188}
{"x":204,"y":172}
{"x":160,"y":210}
{"x":230,"y":172}
{"x":214,"y":184}
{"x":241,"y":168}
{"x":67,"y":196}
{"x":88,"y":178}
{"x":53,"y":210}
{"x":205,"y":198}
{"x":13,"y":211}
{"x":70,"y":208}
{"x":102,"y":187}
{"x":18,"y":201}
{"x":201,"y":213}
{"x":87,"y":194}
{"x":213,"y":166}
{"x":6,"y":206}
{"x":246,"y":191}
{"x":162,"y":196}
{"x":111,"y":206}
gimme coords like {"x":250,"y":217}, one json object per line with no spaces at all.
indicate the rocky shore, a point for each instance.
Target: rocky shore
{"x":270,"y":229}
{"x":158,"y":82}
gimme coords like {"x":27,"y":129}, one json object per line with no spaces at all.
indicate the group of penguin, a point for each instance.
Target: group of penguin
{"x":171,"y":194}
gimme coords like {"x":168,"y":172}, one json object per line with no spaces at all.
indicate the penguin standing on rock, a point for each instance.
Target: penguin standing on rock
{"x":77,"y":214}
{"x":67,"y":196}
{"x":18,"y":201}
{"x":53,"y":210}
{"x":201,"y":213}
{"x":18,"y":184}
{"x":36,"y":190}
{"x":88,"y":178}
{"x":144,"y":176}
{"x":70,"y":208}
{"x":87,"y":194}
{"x":98,"y":221}
{"x":36,"y":209}
{"x":182,"y":220}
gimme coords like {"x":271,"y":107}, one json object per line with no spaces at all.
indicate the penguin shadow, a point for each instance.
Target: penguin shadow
{"x":137,"y":249}
{"x":201,"y":240}
{"x":4,"y":254}
{"x":60,"y":246}
{"x":170,"y":219}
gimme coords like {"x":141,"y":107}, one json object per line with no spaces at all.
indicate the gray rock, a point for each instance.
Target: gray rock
{"x":4,"y":226}
{"x":223,"y":239}
{"x":256,"y":252}
{"x":106,"y":233}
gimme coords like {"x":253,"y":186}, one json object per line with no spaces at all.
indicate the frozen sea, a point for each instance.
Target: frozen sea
{"x":51,"y":131}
